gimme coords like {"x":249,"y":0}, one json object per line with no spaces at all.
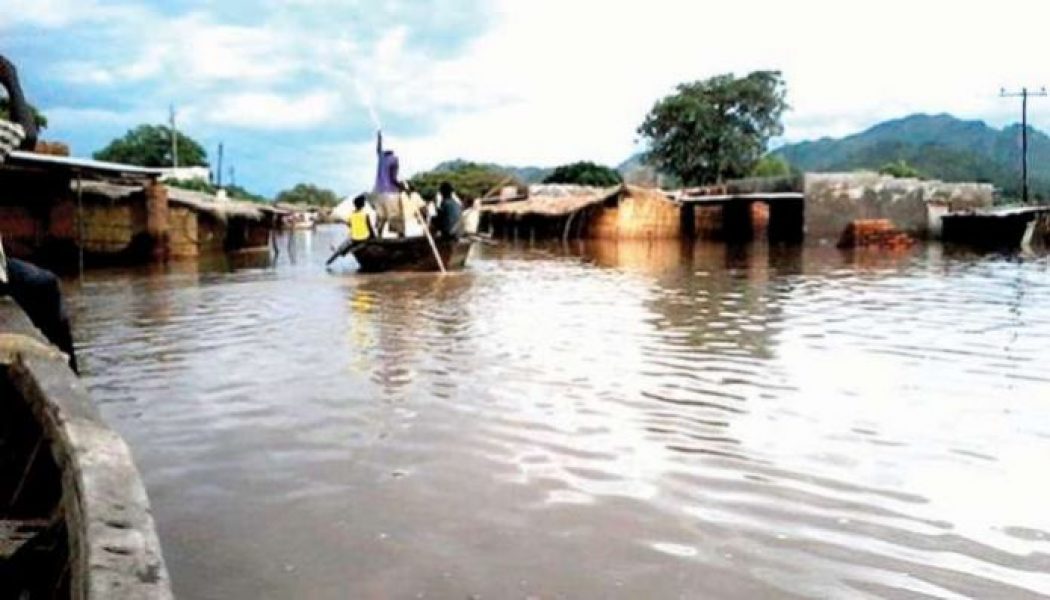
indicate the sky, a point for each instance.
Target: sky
{"x":286,"y":85}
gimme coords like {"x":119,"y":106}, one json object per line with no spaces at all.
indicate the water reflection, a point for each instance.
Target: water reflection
{"x":621,"y":420}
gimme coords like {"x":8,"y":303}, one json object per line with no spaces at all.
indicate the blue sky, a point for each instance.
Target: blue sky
{"x":283,"y":84}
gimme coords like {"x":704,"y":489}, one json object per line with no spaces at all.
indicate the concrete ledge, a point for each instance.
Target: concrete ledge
{"x":113,"y":546}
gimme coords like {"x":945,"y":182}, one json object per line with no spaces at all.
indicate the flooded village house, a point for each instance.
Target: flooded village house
{"x":817,"y":206}
{"x":63,"y":212}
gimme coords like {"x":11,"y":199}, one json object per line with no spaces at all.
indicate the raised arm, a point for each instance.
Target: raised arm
{"x":379,"y":141}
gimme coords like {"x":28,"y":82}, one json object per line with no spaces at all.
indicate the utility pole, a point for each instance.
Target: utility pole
{"x":174,"y":137}
{"x":233,"y":174}
{"x":219,"y":170}
{"x":1023,"y":95}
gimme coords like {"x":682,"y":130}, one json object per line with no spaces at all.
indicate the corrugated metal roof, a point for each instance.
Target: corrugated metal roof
{"x":81,"y":164}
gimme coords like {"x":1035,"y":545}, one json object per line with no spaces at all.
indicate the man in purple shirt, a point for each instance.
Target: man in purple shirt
{"x":386,"y":193}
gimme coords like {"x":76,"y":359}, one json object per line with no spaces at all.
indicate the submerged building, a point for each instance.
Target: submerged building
{"x":62,"y":212}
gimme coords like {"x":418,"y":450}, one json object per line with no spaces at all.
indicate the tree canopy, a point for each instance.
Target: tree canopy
{"x":470,"y":180}
{"x":584,"y":173}
{"x":901,"y":169}
{"x":306,"y":193}
{"x":771,"y":165}
{"x":715,"y":129}
{"x":5,"y":113}
{"x":150,"y":146}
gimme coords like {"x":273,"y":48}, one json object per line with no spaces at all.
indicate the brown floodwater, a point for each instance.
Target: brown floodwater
{"x":624,"y":420}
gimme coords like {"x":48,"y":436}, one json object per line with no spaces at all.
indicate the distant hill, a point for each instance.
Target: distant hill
{"x":635,"y":170}
{"x":940,"y":147}
{"x":527,"y":175}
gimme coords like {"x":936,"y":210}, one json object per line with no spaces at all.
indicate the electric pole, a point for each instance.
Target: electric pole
{"x":174,"y":138}
{"x":219,"y":170}
{"x":1023,"y":95}
{"x":233,"y":176}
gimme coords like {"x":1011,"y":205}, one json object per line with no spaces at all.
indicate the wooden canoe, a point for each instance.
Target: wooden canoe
{"x":410,"y":254}
{"x":74,"y":518}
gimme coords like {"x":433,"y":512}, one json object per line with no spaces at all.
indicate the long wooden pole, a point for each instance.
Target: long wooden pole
{"x":430,"y":238}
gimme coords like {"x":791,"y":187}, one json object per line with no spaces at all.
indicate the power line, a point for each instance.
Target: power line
{"x":1023,"y":95}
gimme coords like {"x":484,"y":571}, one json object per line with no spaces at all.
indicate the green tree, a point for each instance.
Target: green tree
{"x":150,"y":146}
{"x":470,"y":180}
{"x":584,"y":173}
{"x":771,"y":166}
{"x":306,"y":193}
{"x":715,"y":129}
{"x":900,"y":168}
{"x":5,"y":113}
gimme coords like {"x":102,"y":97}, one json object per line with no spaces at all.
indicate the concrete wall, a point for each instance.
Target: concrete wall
{"x":833,"y":200}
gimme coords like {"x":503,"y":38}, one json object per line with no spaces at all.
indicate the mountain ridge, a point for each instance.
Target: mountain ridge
{"x":940,"y":146}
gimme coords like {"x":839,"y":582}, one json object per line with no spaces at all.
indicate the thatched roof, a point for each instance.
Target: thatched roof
{"x":221,"y":209}
{"x":111,"y":191}
{"x":198,"y":201}
{"x":562,"y":200}
{"x":554,"y":200}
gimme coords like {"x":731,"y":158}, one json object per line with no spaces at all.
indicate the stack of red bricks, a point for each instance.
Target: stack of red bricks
{"x":874,"y":233}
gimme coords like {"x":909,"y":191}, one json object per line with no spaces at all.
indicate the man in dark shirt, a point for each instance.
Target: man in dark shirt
{"x":449,"y":211}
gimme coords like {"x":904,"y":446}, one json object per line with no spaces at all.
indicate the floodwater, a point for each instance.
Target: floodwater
{"x":608,"y":421}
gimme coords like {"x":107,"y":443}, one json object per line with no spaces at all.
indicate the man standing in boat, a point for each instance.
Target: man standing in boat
{"x":386,"y":193}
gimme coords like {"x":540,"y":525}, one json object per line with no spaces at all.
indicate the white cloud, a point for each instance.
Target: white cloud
{"x":549,"y":81}
{"x":50,"y":13}
{"x":558,"y":80}
{"x":263,"y":110}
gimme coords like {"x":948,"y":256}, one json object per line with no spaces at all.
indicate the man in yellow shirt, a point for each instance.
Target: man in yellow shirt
{"x":360,"y":222}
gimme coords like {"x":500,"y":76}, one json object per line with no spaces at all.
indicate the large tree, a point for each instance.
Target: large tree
{"x":715,"y":129}
{"x":306,"y":193}
{"x":150,"y":146}
{"x":584,"y":173}
{"x":470,"y":180}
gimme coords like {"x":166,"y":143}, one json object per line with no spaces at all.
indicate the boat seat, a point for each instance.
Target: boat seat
{"x":14,"y":533}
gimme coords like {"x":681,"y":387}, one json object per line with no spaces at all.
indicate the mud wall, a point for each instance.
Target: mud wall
{"x":639,"y":214}
{"x":183,"y":234}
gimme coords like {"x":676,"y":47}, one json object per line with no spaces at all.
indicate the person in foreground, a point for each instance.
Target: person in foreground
{"x":35,"y":290}
{"x":38,"y":293}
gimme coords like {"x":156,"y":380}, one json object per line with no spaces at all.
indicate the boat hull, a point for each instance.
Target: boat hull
{"x":75,"y":521}
{"x":410,"y":254}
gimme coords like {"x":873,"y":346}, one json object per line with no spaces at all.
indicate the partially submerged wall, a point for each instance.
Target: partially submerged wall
{"x":640,"y":213}
{"x":834,"y":200}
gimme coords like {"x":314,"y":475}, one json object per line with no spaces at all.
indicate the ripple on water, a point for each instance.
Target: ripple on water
{"x":745,"y":423}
